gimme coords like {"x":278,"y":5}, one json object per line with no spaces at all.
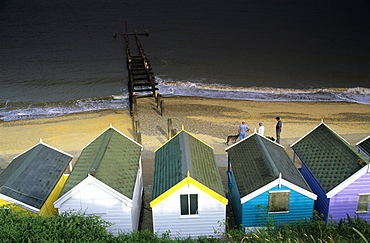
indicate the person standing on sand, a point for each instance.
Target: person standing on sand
{"x":242,"y":130}
{"x":279,"y":126}
{"x":261,"y":129}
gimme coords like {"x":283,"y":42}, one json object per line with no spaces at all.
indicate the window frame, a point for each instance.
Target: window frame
{"x":270,"y":201}
{"x":358,"y":202}
{"x":189,"y":205}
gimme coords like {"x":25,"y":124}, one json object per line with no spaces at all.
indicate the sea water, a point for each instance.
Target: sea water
{"x":60,"y":57}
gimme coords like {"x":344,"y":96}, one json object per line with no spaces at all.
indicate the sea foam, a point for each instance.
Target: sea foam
{"x":179,"y":88}
{"x":17,"y":110}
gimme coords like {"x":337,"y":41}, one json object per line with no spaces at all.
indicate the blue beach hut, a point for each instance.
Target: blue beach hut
{"x":264,"y":185}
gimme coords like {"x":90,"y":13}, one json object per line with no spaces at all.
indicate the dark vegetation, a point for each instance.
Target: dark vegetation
{"x":22,"y":226}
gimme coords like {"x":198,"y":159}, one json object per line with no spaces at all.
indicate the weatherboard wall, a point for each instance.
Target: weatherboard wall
{"x":94,"y":199}
{"x":322,"y":202}
{"x":255,"y":213}
{"x":235,"y":198}
{"x":167,"y":218}
{"x":4,"y":203}
{"x":345,"y":202}
{"x":137,"y":201}
{"x":341,"y":204}
{"x":48,"y":207}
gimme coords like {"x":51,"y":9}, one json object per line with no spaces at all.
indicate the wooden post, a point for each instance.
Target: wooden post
{"x":133,"y":125}
{"x":138,"y":138}
{"x":134,"y":106}
{"x":131,"y":106}
{"x":162,"y":108}
{"x":158,"y":99}
{"x":169,"y":128}
{"x":137,"y":127}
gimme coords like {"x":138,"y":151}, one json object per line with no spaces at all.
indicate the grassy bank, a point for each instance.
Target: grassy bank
{"x":21,"y":226}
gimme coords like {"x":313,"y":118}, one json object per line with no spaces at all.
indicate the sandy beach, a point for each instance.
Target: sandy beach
{"x":211,"y":120}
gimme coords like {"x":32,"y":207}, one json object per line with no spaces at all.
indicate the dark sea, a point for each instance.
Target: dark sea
{"x":59,"y":56}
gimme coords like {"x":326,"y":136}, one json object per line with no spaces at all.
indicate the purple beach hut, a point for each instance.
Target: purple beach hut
{"x":336,"y":173}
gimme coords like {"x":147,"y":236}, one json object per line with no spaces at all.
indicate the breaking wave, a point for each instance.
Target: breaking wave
{"x":24,"y":110}
{"x":173,"y":88}
{"x":19,"y":111}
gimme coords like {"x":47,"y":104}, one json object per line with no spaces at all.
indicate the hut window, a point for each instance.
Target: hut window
{"x":363,"y":203}
{"x":189,"y":204}
{"x":278,"y":201}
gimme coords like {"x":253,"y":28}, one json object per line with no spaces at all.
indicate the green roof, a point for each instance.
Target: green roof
{"x":328,"y":157}
{"x":112,"y":158}
{"x":257,"y":161}
{"x":32,"y":175}
{"x":181,"y":154}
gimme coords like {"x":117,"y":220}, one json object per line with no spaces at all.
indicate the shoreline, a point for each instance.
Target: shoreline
{"x":209,"y":119}
{"x":356,"y":95}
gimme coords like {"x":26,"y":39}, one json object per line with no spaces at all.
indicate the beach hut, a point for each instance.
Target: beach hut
{"x":264,"y":185}
{"x":34,"y":179}
{"x":107,"y":181}
{"x":363,"y":147}
{"x":188,"y":199}
{"x":338,"y":175}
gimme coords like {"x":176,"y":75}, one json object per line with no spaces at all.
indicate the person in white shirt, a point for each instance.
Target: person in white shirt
{"x":261,"y":129}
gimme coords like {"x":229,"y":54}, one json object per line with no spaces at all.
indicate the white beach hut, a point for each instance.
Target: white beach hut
{"x":107,"y":181}
{"x":188,"y":196}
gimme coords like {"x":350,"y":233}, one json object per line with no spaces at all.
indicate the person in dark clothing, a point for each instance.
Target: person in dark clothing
{"x":279,"y":126}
